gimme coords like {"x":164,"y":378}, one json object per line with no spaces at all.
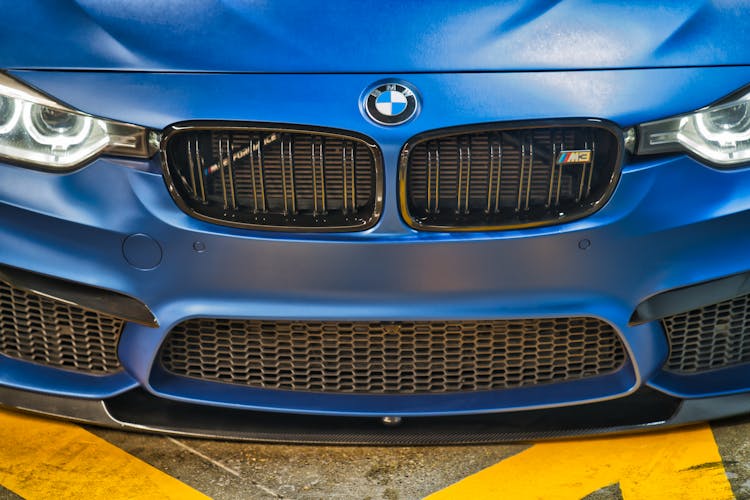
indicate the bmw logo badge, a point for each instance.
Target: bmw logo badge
{"x":390,"y":103}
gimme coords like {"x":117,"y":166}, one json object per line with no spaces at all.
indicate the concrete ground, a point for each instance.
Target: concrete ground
{"x":233,"y":470}
{"x":230,"y":470}
{"x":286,"y":471}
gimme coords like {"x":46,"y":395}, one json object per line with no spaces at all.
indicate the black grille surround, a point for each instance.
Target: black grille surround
{"x":56,"y":334}
{"x":505,"y":175}
{"x":392,"y":357}
{"x":278,"y":177}
{"x":709,"y":338}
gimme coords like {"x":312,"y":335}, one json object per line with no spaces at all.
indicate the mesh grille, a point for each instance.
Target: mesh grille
{"x":712,"y":337}
{"x":275,"y":178}
{"x":392,"y":357}
{"x":504,"y":178}
{"x":49,"y":332}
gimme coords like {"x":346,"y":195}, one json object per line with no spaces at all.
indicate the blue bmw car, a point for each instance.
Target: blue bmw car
{"x":375,"y":222}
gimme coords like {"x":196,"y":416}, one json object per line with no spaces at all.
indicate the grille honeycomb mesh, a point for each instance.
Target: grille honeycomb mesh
{"x":392,"y":357}
{"x":49,"y":332}
{"x":710,"y":337}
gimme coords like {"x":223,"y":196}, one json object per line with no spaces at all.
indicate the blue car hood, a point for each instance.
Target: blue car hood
{"x":369,"y":36}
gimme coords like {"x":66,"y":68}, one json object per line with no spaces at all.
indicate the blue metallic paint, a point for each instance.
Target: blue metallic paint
{"x":383,"y":36}
{"x":671,"y":222}
{"x":651,"y":236}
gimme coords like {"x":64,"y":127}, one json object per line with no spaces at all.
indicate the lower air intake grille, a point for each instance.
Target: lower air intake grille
{"x":52,"y":333}
{"x":709,"y":338}
{"x":392,"y":357}
{"x":275,"y":177}
{"x":505,"y":178}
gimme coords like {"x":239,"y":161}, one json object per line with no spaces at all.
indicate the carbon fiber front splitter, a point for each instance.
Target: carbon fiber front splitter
{"x":138,"y":410}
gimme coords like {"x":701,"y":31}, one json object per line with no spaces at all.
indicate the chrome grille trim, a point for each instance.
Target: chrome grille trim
{"x":274,"y":177}
{"x":501,"y":176}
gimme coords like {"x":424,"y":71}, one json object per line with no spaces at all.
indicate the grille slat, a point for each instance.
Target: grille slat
{"x":501,"y":178}
{"x":53,"y":333}
{"x":275,"y":178}
{"x":552,"y":184}
{"x":317,"y":162}
{"x":709,"y":338}
{"x":392,"y":357}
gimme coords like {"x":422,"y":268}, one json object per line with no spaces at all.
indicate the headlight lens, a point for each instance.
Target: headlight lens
{"x":718,"y":133}
{"x":38,"y":131}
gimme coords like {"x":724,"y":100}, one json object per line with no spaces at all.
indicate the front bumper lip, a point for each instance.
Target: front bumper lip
{"x":139,"y":411}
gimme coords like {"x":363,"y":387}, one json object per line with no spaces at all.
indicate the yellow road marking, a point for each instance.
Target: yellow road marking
{"x":42,"y":458}
{"x":682,"y":464}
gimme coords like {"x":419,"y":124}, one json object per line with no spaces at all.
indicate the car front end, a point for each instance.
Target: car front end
{"x":290,"y":223}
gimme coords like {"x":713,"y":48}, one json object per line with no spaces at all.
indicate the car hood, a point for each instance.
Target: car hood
{"x":369,"y":36}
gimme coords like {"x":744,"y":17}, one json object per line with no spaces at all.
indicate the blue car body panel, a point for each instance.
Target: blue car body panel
{"x":671,"y":222}
{"x":369,"y":36}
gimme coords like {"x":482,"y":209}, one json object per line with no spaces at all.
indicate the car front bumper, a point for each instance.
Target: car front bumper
{"x":671,"y":222}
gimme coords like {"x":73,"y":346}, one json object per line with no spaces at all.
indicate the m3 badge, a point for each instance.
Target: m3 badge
{"x":575,"y":156}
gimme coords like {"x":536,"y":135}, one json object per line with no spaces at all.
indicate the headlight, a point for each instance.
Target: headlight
{"x":719,"y":133}
{"x":41,"y":132}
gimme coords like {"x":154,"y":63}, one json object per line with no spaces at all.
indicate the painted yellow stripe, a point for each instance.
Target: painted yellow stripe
{"x":42,"y":458}
{"x":681,"y":464}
